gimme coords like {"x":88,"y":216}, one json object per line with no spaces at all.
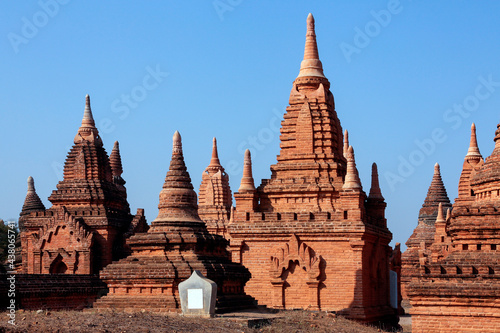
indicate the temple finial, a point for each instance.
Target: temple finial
{"x":352,"y":181}
{"x":214,"y":162}
{"x":115,"y":161}
{"x":473,"y":152}
{"x":247,"y":182}
{"x":346,"y":143}
{"x":32,"y":201}
{"x":440,"y":217}
{"x":311,"y":65}
{"x":375,"y":192}
{"x":87,"y":130}
{"x":177,"y":143}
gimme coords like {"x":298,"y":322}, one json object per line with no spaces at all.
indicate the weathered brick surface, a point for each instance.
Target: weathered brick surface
{"x":310,"y":236}
{"x":53,"y":292}
{"x":85,"y":228}
{"x":423,"y":235}
{"x":458,"y":283}
{"x":215,"y":198}
{"x":176,"y":244}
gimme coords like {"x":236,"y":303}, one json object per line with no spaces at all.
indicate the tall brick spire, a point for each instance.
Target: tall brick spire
{"x":215,"y":198}
{"x":247,"y":182}
{"x":115,"y":162}
{"x":436,"y":194}
{"x":473,"y":152}
{"x":32,"y":202}
{"x":346,"y":143}
{"x":352,"y":181}
{"x":177,"y":198}
{"x":87,"y":130}
{"x":375,"y":192}
{"x":311,"y":65}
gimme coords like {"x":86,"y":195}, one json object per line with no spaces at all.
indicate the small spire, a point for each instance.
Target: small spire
{"x":448,"y":214}
{"x":177,"y":143}
{"x":178,"y":200}
{"x":214,"y":162}
{"x":311,"y":65}
{"x":247,"y":182}
{"x":440,"y":217}
{"x":88,"y":131}
{"x":436,"y":192}
{"x":352,"y":181}
{"x":375,"y":192}
{"x":346,"y":143}
{"x":115,"y":160}
{"x":473,"y":152}
{"x":32,"y":202}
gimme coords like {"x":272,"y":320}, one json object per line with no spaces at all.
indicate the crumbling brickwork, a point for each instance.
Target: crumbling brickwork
{"x":176,"y":244}
{"x":459,"y":277}
{"x":423,"y":235}
{"x":215,"y":198}
{"x":84,"y":229}
{"x":310,"y":236}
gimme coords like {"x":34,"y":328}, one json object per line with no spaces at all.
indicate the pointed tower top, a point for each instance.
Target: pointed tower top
{"x":375,"y":192}
{"x":178,"y":202}
{"x":177,"y":143}
{"x":88,"y":131}
{"x":214,"y":162}
{"x":115,"y":160}
{"x":448,"y":214}
{"x":247,"y":182}
{"x":473,"y":152}
{"x":311,"y":65}
{"x":437,"y":192}
{"x":440,"y":217}
{"x":352,"y":181}
{"x":346,"y":143}
{"x":32,"y":202}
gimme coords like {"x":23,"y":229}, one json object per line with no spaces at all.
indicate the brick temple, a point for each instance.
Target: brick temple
{"x":86,"y":227}
{"x":310,"y":236}
{"x":458,"y":284}
{"x":423,"y":236}
{"x":176,"y":244}
{"x":215,"y":198}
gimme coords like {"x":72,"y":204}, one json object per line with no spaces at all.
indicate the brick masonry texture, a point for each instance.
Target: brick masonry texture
{"x":86,"y":227}
{"x":177,"y":243}
{"x":310,"y":236}
{"x":458,"y":281}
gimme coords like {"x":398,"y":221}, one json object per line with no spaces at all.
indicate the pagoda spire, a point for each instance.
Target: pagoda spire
{"x":375,"y":192}
{"x":440,"y":217}
{"x":247,"y":182}
{"x":115,"y":161}
{"x":88,"y":131}
{"x":346,"y":143}
{"x":214,"y":162}
{"x":32,"y":202}
{"x":437,"y":192}
{"x":311,"y":65}
{"x":178,"y":201}
{"x":352,"y":181}
{"x":473,"y":152}
{"x":497,"y":139}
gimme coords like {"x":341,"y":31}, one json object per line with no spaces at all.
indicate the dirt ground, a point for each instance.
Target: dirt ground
{"x":77,"y":321}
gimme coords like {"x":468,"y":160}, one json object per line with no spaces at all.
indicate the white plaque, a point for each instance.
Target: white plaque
{"x":195,"y":298}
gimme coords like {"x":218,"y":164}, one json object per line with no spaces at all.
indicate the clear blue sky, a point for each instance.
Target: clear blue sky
{"x":408,"y":78}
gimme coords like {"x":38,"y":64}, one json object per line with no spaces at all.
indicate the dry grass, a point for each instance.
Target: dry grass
{"x":76,"y":321}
